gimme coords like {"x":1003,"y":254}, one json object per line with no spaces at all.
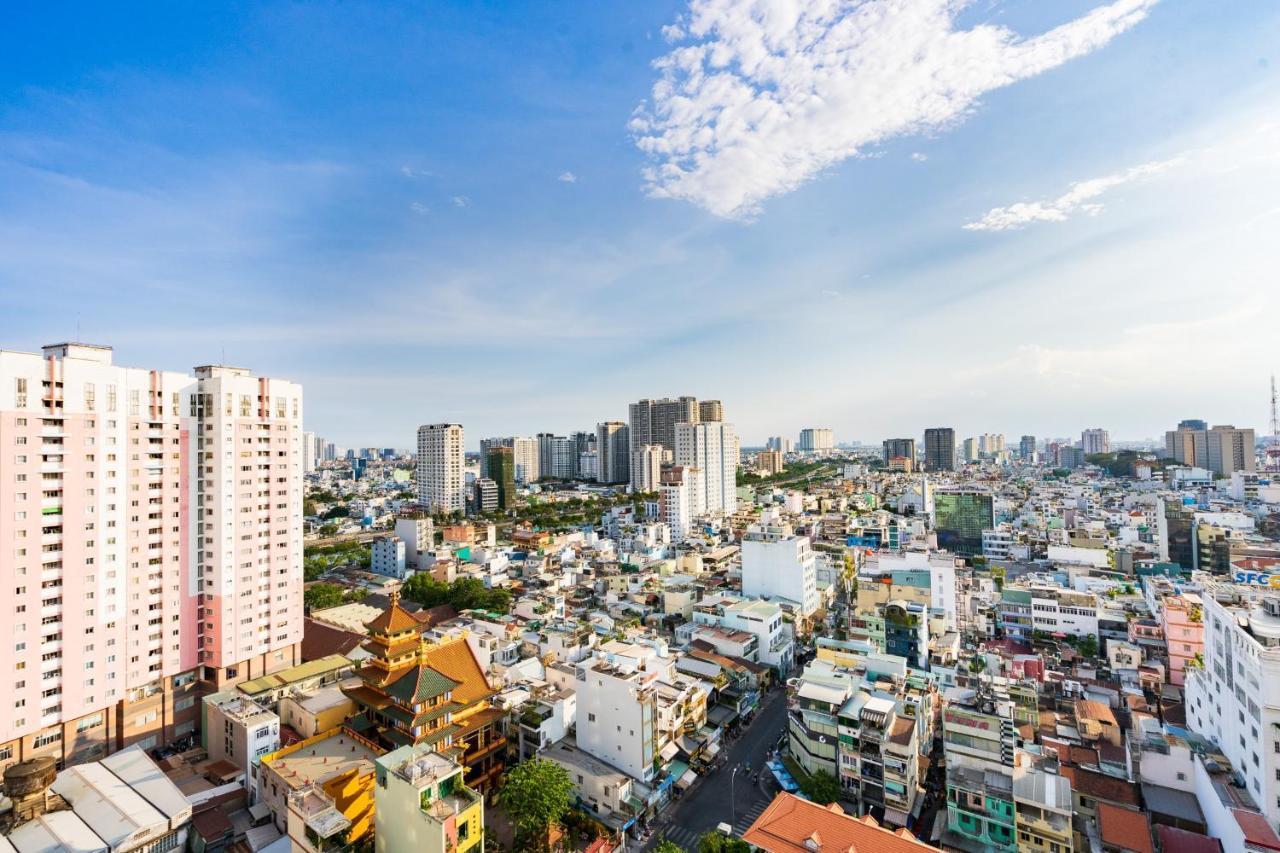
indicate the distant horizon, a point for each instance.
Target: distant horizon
{"x":523,"y":217}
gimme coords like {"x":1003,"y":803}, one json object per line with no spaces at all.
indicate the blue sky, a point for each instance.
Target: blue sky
{"x":522,"y":216}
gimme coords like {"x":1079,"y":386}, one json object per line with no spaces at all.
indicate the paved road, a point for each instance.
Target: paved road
{"x":709,"y":802}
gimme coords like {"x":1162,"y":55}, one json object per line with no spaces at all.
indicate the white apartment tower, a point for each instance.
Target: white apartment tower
{"x":680,"y":498}
{"x":150,"y":546}
{"x":646,"y":467}
{"x":713,"y":449}
{"x":441,"y":483}
{"x":816,"y":440}
{"x":1095,"y":441}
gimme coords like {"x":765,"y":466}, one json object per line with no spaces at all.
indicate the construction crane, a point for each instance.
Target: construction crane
{"x":1273,"y":448}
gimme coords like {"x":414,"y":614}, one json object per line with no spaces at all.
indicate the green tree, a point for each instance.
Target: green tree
{"x":318,"y":596}
{"x":821,"y":787}
{"x":718,"y":842}
{"x":536,"y":796}
{"x":1088,"y":646}
{"x":666,"y":845}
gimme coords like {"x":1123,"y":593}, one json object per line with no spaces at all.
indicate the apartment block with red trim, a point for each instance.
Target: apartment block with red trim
{"x":150,"y":546}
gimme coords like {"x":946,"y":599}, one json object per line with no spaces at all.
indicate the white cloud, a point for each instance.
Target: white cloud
{"x":1079,"y":198}
{"x":419,"y":208}
{"x":764,"y":95}
{"x":919,"y":157}
{"x":461,"y":201}
{"x":568,"y":178}
{"x":410,"y":172}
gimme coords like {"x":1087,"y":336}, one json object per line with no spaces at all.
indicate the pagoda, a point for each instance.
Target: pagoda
{"x":414,"y":691}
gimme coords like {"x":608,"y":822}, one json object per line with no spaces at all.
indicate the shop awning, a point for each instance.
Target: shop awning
{"x":721,"y":715}
{"x":669,"y":751}
{"x":686,"y":780}
{"x":712,"y":750}
{"x":895,"y":817}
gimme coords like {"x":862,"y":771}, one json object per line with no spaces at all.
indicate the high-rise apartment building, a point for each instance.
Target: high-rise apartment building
{"x":680,"y":498}
{"x":816,"y":440}
{"x":646,"y":468}
{"x":780,"y":443}
{"x":1027,"y":447}
{"x":1095,"y":441}
{"x":939,"y":449}
{"x":613,"y":452}
{"x":1222,"y":449}
{"x":501,"y":465}
{"x":654,"y":421}
{"x":899,"y":447}
{"x":150,"y":546}
{"x":710,"y":410}
{"x":990,"y":443}
{"x":310,"y":452}
{"x":713,"y":449}
{"x":525,"y":452}
{"x":441,"y":458}
{"x":969,"y":450}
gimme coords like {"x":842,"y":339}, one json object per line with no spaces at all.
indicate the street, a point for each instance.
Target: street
{"x":717,"y":798}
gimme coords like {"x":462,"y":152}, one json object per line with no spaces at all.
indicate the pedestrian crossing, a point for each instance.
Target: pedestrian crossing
{"x":687,"y":838}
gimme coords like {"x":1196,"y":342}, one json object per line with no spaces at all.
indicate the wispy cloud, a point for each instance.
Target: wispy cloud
{"x":411,"y":172}
{"x":1080,"y":197}
{"x":761,"y":97}
{"x":461,"y":201}
{"x":919,"y":157}
{"x":567,"y":178}
{"x":419,"y":208}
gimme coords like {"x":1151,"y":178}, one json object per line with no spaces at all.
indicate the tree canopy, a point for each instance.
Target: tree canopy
{"x":318,"y":596}
{"x":717,"y":842}
{"x":821,"y":787}
{"x":462,"y":594}
{"x":536,"y":796}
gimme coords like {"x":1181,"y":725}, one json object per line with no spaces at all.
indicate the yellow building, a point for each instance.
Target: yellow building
{"x":1043,"y":805}
{"x":424,"y":806}
{"x":320,"y":790}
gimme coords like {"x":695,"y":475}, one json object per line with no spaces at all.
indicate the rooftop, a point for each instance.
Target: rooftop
{"x":319,"y":759}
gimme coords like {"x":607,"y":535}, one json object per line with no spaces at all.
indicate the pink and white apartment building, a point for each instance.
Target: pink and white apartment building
{"x":150,"y":546}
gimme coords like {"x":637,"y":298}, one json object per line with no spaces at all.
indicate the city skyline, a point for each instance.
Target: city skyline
{"x":482,"y":233}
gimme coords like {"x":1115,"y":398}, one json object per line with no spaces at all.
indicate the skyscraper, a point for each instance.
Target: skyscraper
{"x":310,"y":452}
{"x":152,"y":545}
{"x":713,"y":449}
{"x":1027,"y":447}
{"x":1222,"y":449}
{"x":502,"y":471}
{"x":646,"y":468}
{"x":895,"y":447}
{"x":1095,"y":441}
{"x":613,"y":453}
{"x":780,"y":443}
{"x":654,"y":421}
{"x":939,"y":449}
{"x":710,"y":410}
{"x":816,"y":440}
{"x":441,"y":484}
{"x":525,"y":451}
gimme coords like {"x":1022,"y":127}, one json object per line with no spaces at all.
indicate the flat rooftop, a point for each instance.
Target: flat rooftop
{"x":321,"y":760}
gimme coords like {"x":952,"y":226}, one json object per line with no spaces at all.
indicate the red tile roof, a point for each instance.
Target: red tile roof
{"x":1125,"y":828}
{"x":789,"y":822}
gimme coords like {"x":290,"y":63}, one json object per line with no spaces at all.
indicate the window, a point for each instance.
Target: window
{"x":47,"y":738}
{"x":20,"y":392}
{"x":88,"y":396}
